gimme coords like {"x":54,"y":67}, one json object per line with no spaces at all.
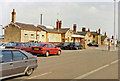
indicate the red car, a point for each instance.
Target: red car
{"x":18,"y":45}
{"x":46,"y":49}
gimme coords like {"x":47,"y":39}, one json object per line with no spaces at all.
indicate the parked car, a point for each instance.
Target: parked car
{"x":2,"y":46}
{"x":16,"y":62}
{"x":74,"y":45}
{"x":93,"y":44}
{"x":63,"y":45}
{"x":18,"y":45}
{"x":45,"y":49}
{"x":55,"y":44}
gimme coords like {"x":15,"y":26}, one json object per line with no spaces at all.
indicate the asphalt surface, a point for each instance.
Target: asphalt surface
{"x":76,"y":64}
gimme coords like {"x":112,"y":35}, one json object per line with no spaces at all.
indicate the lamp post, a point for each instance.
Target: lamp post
{"x":114,"y":20}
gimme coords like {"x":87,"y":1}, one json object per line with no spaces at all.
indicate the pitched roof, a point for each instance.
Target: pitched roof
{"x":44,"y":28}
{"x":103,"y":38}
{"x":26,"y":26}
{"x":81,"y":33}
{"x":94,"y":33}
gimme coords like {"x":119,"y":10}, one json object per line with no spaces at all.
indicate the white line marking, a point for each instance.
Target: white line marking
{"x":93,"y":71}
{"x":114,"y":62}
{"x":36,"y":76}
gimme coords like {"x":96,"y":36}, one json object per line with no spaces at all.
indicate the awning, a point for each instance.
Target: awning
{"x":79,"y":36}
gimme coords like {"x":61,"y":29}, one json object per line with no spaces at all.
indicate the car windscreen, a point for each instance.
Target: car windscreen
{"x":40,"y":45}
{"x":13,"y":44}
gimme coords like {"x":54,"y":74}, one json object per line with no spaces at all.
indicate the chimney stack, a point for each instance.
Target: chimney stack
{"x":99,"y":30}
{"x":74,"y":28}
{"x":88,"y":30}
{"x":105,"y":34}
{"x":57,"y":25}
{"x":112,"y":37}
{"x":60,"y":24}
{"x":13,"y":16}
{"x":83,"y":29}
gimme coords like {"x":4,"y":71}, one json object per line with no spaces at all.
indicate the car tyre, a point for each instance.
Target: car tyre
{"x":47,"y":54}
{"x":29,"y":72}
{"x":59,"y":52}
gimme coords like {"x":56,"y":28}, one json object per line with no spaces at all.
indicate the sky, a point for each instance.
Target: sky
{"x":92,"y":14}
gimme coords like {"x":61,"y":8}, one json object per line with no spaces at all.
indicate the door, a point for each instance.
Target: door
{"x":54,"y":49}
{"x":6,"y":63}
{"x":51,"y":49}
{"x":20,"y":62}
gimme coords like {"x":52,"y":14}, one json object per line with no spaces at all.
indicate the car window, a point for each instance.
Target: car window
{"x":22,"y":45}
{"x":53,"y":46}
{"x":13,"y":44}
{"x":17,"y":55}
{"x":6,"y":56}
{"x":24,"y":57}
{"x":27,"y":45}
{"x":40,"y":45}
{"x":46,"y":46}
{"x":50,"y":46}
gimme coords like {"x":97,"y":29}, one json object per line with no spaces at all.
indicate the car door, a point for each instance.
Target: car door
{"x":55,"y":51}
{"x":51,"y":50}
{"x":6,"y":63}
{"x":20,"y":62}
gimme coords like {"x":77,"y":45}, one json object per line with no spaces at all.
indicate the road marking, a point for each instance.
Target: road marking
{"x":114,"y":62}
{"x":36,"y":76}
{"x":93,"y":71}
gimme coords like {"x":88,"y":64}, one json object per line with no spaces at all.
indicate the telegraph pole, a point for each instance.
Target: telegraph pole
{"x":114,"y":20}
{"x":41,"y":19}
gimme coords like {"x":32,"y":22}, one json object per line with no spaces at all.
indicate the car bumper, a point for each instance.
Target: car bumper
{"x":38,"y":52}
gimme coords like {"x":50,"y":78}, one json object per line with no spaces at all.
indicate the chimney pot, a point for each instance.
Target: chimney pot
{"x":60,"y":24}
{"x":105,"y":34}
{"x":99,"y":30}
{"x":74,"y":28}
{"x":57,"y":25}
{"x":13,"y":16}
{"x":83,"y":29}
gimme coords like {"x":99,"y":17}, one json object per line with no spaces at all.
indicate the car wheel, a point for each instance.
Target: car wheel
{"x":47,"y":54}
{"x":29,"y":72}
{"x":76,"y":48}
{"x":59,"y":52}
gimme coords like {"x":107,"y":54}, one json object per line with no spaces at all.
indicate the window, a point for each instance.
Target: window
{"x":42,"y":35}
{"x":40,"y":45}
{"x":37,"y":35}
{"x":26,"y":35}
{"x":27,"y":45}
{"x":32,"y":35}
{"x":53,"y":46}
{"x":93,"y":36}
{"x":46,"y":46}
{"x":17,"y":55}
{"x":6,"y":56}
{"x":24,"y":57}
{"x":50,"y":46}
{"x":22,"y":45}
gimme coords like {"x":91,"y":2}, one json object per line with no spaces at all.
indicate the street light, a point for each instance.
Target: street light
{"x":114,"y":20}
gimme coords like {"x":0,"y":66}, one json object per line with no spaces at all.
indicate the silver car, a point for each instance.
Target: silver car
{"x":16,"y":62}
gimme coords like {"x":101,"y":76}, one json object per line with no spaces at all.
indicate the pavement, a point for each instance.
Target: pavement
{"x":74,"y":65}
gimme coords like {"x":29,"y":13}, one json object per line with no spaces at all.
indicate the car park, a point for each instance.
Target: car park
{"x":45,"y":49}
{"x":93,"y":44}
{"x":74,"y":45}
{"x":18,"y":45}
{"x":63,"y":45}
{"x":15,"y":62}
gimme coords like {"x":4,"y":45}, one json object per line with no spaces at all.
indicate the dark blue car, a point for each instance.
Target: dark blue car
{"x":74,"y":45}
